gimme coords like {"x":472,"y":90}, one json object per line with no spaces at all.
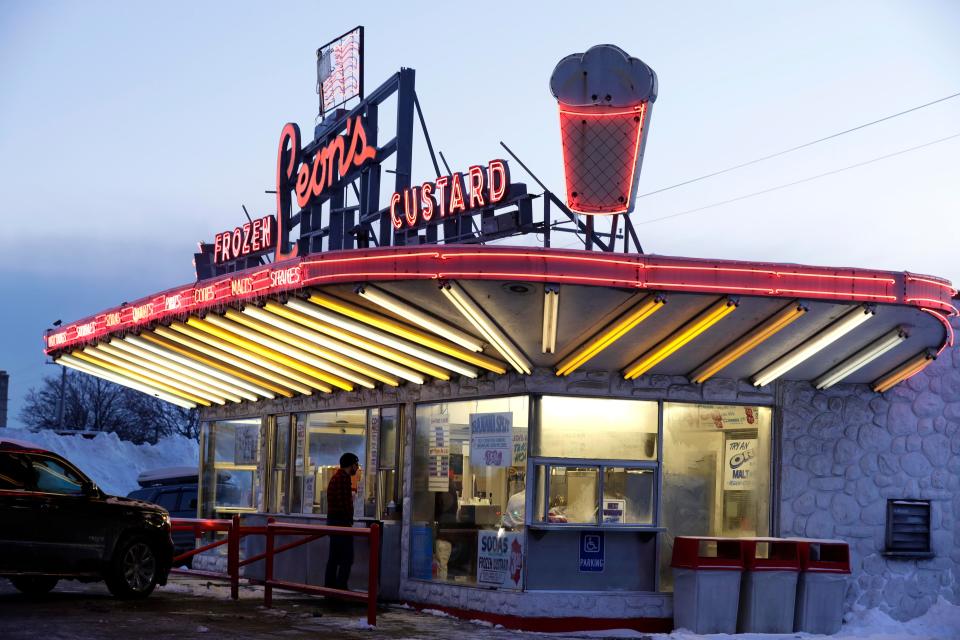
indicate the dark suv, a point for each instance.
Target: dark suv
{"x":55,"y":523}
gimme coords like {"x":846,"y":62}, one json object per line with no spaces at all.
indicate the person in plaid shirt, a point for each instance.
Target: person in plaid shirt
{"x":340,"y":514}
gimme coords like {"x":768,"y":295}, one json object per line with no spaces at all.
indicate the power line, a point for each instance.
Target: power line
{"x":796,"y":182}
{"x":798,"y":147}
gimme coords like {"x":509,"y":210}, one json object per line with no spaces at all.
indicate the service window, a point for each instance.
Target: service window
{"x":469,"y":488}
{"x":716,"y":474}
{"x":329,"y":435}
{"x":230,"y":457}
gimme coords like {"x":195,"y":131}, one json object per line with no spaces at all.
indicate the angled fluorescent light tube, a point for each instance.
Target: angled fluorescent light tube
{"x":486,"y":326}
{"x":769,"y":327}
{"x":811,"y":347}
{"x":861,"y":358}
{"x":409,"y":312}
{"x":129,"y":373}
{"x":680,"y":337}
{"x":84,"y":367}
{"x":611,"y":333}
{"x":908,"y":369}
{"x":551,"y":310}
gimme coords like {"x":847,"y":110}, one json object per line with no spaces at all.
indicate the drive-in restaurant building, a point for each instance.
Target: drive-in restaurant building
{"x":536,"y":425}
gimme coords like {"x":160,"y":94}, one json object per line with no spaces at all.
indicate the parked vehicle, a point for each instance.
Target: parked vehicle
{"x":56,"y":523}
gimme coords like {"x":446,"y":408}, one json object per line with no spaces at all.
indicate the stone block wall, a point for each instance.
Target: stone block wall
{"x":847,"y":450}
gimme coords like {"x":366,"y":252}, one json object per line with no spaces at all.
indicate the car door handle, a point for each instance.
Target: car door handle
{"x":44,"y":506}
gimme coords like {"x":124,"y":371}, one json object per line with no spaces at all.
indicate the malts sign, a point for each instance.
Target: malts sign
{"x":451,"y":195}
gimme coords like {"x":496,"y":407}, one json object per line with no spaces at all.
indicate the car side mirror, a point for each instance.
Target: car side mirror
{"x":90,"y":490}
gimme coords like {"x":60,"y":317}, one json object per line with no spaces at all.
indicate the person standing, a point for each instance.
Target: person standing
{"x":340,"y":514}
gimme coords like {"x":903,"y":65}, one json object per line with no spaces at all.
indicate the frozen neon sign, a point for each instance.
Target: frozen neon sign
{"x":250,"y":238}
{"x":452,"y":195}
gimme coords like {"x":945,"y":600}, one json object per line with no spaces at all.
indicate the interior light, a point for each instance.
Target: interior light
{"x":769,"y":327}
{"x":862,"y":357}
{"x":680,"y":337}
{"x":486,"y":326}
{"x":551,"y":309}
{"x":639,"y":312}
{"x":411,"y":313}
{"x":85,"y":367}
{"x":811,"y":347}
{"x":908,"y":369}
{"x":404,"y":331}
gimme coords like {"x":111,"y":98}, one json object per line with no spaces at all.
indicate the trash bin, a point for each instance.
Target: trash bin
{"x":824,"y":570}
{"x":706,"y":583}
{"x":768,"y":590}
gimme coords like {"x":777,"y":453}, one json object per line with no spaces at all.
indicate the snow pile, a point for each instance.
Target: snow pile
{"x":112,"y":463}
{"x":941,"y":621}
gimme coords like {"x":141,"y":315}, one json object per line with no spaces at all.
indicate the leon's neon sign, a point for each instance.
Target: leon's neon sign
{"x":451,"y":195}
{"x":310,"y":178}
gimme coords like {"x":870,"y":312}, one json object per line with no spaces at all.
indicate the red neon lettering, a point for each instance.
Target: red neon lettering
{"x":57,"y":339}
{"x":266,"y":229}
{"x":499,"y":179}
{"x":457,"y":202}
{"x":426,"y":201}
{"x":85,"y":330}
{"x":113,"y":319}
{"x":394,"y":201}
{"x":476,"y":186}
{"x":241,"y":286}
{"x":442,"y":183}
{"x":302,"y":187}
{"x":142,"y":312}
{"x":204,"y":294}
{"x":410,"y":206}
{"x":217,"y":247}
{"x":287,"y":161}
{"x":255,"y":238}
{"x":236,"y":242}
{"x":245,"y":249}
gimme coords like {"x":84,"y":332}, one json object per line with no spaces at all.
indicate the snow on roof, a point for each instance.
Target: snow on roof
{"x":166,"y":473}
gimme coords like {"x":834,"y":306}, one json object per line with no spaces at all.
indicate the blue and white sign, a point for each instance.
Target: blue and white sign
{"x":591,"y":551}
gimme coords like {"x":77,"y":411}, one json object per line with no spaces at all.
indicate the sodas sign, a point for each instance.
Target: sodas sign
{"x":500,"y":559}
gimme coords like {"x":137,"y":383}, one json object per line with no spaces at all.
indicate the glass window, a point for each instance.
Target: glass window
{"x":469,"y":479}
{"x":230,"y":459}
{"x":573,"y":496}
{"x":716,"y":474}
{"x":329,"y":435}
{"x":599,"y":428}
{"x":627,"y":495}
{"x":168,"y":500}
{"x":14,"y":471}
{"x":279,"y":475}
{"x":53,"y":477}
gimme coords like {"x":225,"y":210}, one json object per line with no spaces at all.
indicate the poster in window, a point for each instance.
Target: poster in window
{"x":718,"y":416}
{"x":438,"y":453}
{"x":373,"y":453}
{"x":739,"y":465}
{"x":245,"y":444}
{"x":491,"y":439}
{"x":500,"y":559}
{"x":519,"y":447}
{"x":301,"y":437}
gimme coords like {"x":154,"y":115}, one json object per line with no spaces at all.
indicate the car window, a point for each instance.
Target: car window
{"x":14,"y":471}
{"x":168,"y":500}
{"x":141,"y":494}
{"x":53,"y":477}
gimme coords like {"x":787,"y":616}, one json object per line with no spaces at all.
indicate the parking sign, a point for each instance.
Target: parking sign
{"x":591,"y":551}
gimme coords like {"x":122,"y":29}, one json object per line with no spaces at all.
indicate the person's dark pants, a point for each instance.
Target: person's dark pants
{"x":340,"y":560}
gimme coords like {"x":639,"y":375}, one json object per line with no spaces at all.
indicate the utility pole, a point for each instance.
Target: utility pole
{"x":63,"y":390}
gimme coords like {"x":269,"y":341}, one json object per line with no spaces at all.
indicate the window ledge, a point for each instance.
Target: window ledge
{"x":908,"y":555}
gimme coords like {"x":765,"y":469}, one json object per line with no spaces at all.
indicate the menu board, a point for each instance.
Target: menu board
{"x":491,"y":439}
{"x":438,"y":452}
{"x":718,"y":416}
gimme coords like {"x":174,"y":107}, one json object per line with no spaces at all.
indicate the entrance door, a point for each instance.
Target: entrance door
{"x":278,"y":498}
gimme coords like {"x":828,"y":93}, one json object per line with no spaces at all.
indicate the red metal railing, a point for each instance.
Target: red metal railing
{"x":235,"y":531}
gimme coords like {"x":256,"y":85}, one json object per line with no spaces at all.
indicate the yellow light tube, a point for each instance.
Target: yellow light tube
{"x":333,"y":373}
{"x":908,"y":369}
{"x":226,"y":362}
{"x":486,"y":326}
{"x":133,"y":375}
{"x":128,"y":363}
{"x":409,"y":312}
{"x":358,"y":340}
{"x":264,"y":366}
{"x":408,"y":333}
{"x":748,"y":341}
{"x":611,"y":333}
{"x":372,"y":333}
{"x":187,"y":380}
{"x":85,"y":367}
{"x":373,"y":362}
{"x":681,"y":337}
{"x":270,"y":355}
{"x":212,"y":373}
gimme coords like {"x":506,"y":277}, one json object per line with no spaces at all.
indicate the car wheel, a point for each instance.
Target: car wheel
{"x":133,"y":569}
{"x":34,"y":585}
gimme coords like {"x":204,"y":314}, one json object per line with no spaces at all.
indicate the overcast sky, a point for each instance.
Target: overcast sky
{"x":129,"y":131}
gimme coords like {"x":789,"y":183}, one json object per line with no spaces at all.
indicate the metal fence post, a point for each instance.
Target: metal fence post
{"x":233,"y":556}
{"x":374,"y":574}
{"x":268,"y":569}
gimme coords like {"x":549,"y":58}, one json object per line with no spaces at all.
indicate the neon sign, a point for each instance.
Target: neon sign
{"x":452,"y":195}
{"x":312,"y":178}
{"x":252,"y":237}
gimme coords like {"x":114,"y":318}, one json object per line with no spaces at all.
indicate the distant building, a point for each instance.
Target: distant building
{"x":4,"y":383}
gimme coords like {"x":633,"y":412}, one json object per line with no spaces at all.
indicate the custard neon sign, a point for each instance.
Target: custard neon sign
{"x":310,"y":178}
{"x":452,"y":195}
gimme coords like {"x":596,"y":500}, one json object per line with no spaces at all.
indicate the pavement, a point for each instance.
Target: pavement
{"x":192,"y":608}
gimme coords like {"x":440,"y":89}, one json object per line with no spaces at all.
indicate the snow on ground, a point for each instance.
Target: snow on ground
{"x":112,"y":463}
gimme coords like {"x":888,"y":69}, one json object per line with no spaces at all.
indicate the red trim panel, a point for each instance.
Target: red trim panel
{"x":558,"y":266}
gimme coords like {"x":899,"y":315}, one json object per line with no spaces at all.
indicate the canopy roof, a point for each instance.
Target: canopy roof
{"x":367,"y":317}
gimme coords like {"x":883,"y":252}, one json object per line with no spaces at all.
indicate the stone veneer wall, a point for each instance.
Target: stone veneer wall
{"x":847,"y":450}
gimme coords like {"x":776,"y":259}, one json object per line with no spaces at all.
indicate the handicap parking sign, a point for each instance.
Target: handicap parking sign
{"x":591,"y":551}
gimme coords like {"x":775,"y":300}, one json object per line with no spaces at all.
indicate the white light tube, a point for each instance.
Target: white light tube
{"x":145,"y":371}
{"x":828,"y":336}
{"x":89,"y":369}
{"x":551,"y":309}
{"x":382,"y":337}
{"x":426,"y":321}
{"x":469,"y":309}
{"x":862,"y":357}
